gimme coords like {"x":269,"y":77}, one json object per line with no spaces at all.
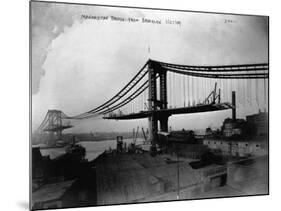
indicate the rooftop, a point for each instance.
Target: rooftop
{"x":51,"y":191}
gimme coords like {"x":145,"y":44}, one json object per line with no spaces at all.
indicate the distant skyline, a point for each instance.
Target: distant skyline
{"x":79,"y":63}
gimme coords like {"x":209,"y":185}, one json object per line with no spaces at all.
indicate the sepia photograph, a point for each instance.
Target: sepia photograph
{"x":134,"y":105}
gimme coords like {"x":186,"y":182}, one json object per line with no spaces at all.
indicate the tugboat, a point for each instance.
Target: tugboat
{"x":75,"y":149}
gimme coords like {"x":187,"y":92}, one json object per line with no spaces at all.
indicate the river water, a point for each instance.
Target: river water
{"x":93,"y":148}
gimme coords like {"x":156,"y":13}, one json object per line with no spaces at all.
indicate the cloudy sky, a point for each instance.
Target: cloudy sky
{"x":77,"y":64}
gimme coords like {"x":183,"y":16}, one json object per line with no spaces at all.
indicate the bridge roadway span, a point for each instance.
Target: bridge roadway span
{"x":173,"y":111}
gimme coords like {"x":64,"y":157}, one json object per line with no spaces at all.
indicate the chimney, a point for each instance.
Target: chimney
{"x":234,"y":106}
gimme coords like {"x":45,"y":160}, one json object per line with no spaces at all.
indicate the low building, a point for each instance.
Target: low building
{"x":40,"y":168}
{"x":239,"y":148}
{"x":258,"y":123}
{"x":239,"y":137}
{"x":233,"y":127}
{"x":182,"y":136}
{"x":55,"y":195}
{"x":69,"y":193}
{"x":131,"y":178}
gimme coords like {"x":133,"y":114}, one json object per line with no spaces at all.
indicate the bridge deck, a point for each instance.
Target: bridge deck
{"x":58,"y":128}
{"x":173,"y":111}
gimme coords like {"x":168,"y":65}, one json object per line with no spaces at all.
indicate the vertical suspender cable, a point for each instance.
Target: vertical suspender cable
{"x":264,"y":93}
{"x":250,"y":83}
{"x":196,"y":88}
{"x":222,"y":90}
{"x":173,"y":90}
{"x":256,"y":89}
{"x":188,"y":90}
{"x":172,"y":93}
{"x":247,"y":91}
{"x":204,"y":87}
{"x":239,"y":91}
{"x":183,"y":77}
{"x":193,"y":90}
{"x":170,"y":88}
{"x":244,"y":92}
{"x":201,"y":89}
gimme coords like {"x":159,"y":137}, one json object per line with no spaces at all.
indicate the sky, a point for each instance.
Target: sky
{"x":78,"y":63}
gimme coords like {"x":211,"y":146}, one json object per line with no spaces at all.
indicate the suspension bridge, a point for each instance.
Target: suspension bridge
{"x":160,"y":90}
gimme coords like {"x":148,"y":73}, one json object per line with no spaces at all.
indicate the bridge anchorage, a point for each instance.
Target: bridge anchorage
{"x":155,"y":86}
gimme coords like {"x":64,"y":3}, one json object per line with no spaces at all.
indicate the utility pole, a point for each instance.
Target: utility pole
{"x":178,"y":173}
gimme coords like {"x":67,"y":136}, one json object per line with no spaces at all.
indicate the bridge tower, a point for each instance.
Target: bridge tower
{"x":54,"y":125}
{"x":156,"y":71}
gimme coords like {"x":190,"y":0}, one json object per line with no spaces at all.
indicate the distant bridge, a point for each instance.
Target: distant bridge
{"x":53,"y":123}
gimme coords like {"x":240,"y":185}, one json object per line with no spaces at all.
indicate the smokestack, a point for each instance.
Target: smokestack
{"x":234,"y":106}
